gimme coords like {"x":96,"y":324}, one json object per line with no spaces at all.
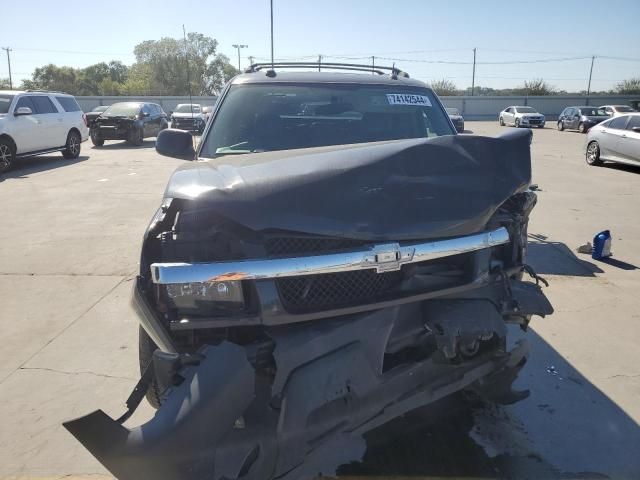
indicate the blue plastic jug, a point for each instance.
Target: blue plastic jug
{"x":601,"y":245}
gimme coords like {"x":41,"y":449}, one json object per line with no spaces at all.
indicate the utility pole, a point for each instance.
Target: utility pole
{"x":473,"y":77}
{"x":590,"y":72}
{"x":319,"y":61}
{"x":271,"y":34}
{"x":373,"y":65}
{"x":250,"y":59}
{"x":7,"y":49}
{"x":238,"y":46}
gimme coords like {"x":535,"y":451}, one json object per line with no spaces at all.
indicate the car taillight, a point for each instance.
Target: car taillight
{"x":84,"y":119}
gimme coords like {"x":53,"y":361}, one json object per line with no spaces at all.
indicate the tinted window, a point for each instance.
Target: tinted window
{"x":634,"y":122}
{"x":26,"y":102}
{"x":124,"y":109}
{"x":618,"y":123}
{"x":526,"y":110}
{"x":257,"y":118}
{"x":623,"y":108}
{"x":43,"y":105}
{"x":593,"y":112}
{"x":69,"y":104}
{"x":5,"y":103}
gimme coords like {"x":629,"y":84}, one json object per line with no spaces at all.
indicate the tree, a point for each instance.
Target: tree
{"x":167,"y":60}
{"x":629,"y":87}
{"x":52,"y":77}
{"x":535,"y":87}
{"x":444,"y":87}
{"x":4,"y":84}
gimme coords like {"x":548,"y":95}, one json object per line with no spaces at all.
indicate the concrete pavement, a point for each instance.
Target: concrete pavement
{"x":69,"y":250}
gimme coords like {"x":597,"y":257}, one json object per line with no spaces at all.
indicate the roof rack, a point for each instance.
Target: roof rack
{"x":394,"y":72}
{"x":37,"y":90}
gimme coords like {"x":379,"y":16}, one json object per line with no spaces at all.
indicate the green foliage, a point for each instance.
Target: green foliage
{"x":444,"y":87}
{"x":4,"y":84}
{"x":629,"y":87}
{"x":160,"y":69}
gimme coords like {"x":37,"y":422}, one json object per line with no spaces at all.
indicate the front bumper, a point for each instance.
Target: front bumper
{"x":532,"y":123}
{"x":188,"y":125}
{"x":111,"y":132}
{"x":224,"y":420}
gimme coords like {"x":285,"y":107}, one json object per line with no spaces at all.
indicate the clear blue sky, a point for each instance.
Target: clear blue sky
{"x":80,"y":33}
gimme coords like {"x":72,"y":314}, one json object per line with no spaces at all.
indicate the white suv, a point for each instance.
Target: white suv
{"x":33,"y":123}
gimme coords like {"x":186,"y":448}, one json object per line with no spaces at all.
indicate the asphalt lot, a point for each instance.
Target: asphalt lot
{"x":69,"y":249}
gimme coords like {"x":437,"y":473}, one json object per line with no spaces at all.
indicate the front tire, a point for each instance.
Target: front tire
{"x":96,"y":140}
{"x":593,"y":154}
{"x":146,"y":347}
{"x":72,"y":147}
{"x":560,"y":125}
{"x":501,"y":121}
{"x":135,"y":137}
{"x":582,"y":128}
{"x":7,"y":155}
{"x":517,"y":123}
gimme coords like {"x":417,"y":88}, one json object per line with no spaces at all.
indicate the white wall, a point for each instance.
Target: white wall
{"x":472,"y":108}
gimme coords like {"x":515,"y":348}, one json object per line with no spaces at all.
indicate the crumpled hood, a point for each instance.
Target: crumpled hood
{"x":187,"y":115}
{"x":398,"y":190}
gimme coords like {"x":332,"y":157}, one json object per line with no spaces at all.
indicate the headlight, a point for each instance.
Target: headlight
{"x":206,"y":297}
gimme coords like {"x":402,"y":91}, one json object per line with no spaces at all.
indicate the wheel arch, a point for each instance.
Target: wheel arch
{"x":8,"y":137}
{"x":74,"y":129}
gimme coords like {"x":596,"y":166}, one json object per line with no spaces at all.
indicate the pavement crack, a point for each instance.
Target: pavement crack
{"x":623,"y":375}
{"x":85,"y":372}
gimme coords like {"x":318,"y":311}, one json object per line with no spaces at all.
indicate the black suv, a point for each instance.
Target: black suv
{"x":130,"y":121}
{"x":336,"y":257}
{"x":581,"y":118}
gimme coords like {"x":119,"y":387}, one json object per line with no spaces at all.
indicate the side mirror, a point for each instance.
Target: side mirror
{"x":22,"y":111}
{"x":636,"y":129}
{"x":175,"y":143}
{"x":144,"y":114}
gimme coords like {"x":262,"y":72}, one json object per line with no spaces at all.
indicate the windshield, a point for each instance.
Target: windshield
{"x":526,"y":110}
{"x":186,"y":108}
{"x":593,"y":112}
{"x":257,"y":118}
{"x":5,"y":103}
{"x":452,"y":111}
{"x":101,"y":108}
{"x":122,"y":110}
{"x":624,"y":109}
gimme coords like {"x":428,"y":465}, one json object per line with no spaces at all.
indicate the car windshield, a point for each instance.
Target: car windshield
{"x":258,"y":117}
{"x":452,"y":111}
{"x":101,"y":108}
{"x":526,"y":110}
{"x":624,"y":109}
{"x":593,"y":112}
{"x":122,"y":110}
{"x":5,"y":103}
{"x":186,"y":108}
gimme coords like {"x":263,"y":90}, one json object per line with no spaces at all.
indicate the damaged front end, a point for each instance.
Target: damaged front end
{"x":296,"y":311}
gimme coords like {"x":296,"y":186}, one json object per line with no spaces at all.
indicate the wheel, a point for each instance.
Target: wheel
{"x":561,"y":125}
{"x":7,"y":155}
{"x":72,"y":149}
{"x":540,"y":126}
{"x":96,"y":140}
{"x":582,"y":128}
{"x":146,"y":347}
{"x":135,"y":137}
{"x":517,"y":124}
{"x":501,"y":121}
{"x":593,"y":154}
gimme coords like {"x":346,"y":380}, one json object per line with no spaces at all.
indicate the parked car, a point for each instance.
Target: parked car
{"x":615,"y":140}
{"x":617,"y":110}
{"x":130,"y":121}
{"x":95,"y":113}
{"x":580,"y":118}
{"x":188,"y":117}
{"x":456,"y":118}
{"x":207,"y":112}
{"x":337,"y":258}
{"x":520,"y":116}
{"x":35,"y":123}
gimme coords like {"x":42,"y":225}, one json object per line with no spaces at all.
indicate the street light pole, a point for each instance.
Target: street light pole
{"x":590,"y":73}
{"x":473,"y":78}
{"x":238,"y":46}
{"x":7,"y":49}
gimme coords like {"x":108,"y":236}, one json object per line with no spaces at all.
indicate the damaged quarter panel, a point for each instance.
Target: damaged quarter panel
{"x":304,"y":294}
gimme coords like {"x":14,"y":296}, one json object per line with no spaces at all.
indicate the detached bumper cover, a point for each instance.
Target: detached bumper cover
{"x":329,"y":388}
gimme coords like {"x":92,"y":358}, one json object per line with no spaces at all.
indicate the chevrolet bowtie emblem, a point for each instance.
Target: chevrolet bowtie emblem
{"x":389,"y":257}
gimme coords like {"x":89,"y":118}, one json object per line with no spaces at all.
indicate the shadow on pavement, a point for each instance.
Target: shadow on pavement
{"x":618,"y":263}
{"x":555,"y":258}
{"x":124,"y":145}
{"x":566,"y":429}
{"x":29,"y":165}
{"x":623,"y":167}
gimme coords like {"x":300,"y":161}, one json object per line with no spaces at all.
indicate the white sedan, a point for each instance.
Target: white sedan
{"x":520,"y":116}
{"x":615,"y":140}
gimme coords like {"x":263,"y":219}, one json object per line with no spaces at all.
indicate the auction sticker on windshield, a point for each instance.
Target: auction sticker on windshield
{"x":408,"y":99}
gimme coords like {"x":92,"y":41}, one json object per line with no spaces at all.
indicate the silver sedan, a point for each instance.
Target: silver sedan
{"x":615,"y":140}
